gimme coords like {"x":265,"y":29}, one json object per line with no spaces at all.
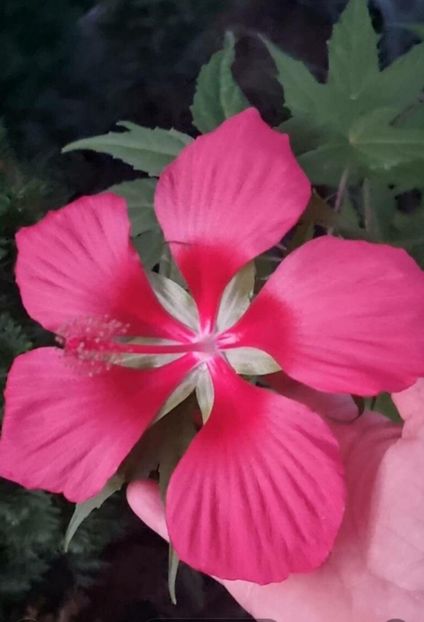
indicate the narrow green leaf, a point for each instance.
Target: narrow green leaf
{"x":353,"y":57}
{"x":144,"y":149}
{"x":83,"y":510}
{"x":139,"y":197}
{"x":302,"y":92}
{"x":217,"y":95}
{"x":173,"y":565}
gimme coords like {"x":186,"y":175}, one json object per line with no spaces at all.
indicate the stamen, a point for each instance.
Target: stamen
{"x":97,"y":343}
{"x":89,"y":342}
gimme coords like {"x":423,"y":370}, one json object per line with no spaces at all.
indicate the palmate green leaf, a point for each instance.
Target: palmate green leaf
{"x":401,"y":83}
{"x":383,"y":147}
{"x":145,"y":149}
{"x":139,"y":196}
{"x":354,"y":120}
{"x":217,"y":95}
{"x":303,"y":94}
{"x":413,"y":118}
{"x":353,"y":56}
{"x":325,"y":164}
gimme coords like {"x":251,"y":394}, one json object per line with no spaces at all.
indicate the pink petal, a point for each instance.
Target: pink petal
{"x":342,"y":316}
{"x":332,"y":406}
{"x":67,"y":432}
{"x":259,"y":493}
{"x":78,"y":262}
{"x":410,"y":404}
{"x":229,"y":196}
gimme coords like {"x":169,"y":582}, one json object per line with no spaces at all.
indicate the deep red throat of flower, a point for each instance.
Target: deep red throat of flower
{"x":259,"y":493}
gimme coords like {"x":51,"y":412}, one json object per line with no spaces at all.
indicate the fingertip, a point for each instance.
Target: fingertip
{"x":144,"y":499}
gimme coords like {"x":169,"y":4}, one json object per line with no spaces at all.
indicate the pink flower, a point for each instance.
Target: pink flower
{"x":375,"y":572}
{"x":259,"y":494}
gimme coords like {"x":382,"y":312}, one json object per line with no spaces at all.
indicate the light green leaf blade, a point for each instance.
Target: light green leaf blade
{"x":353,"y":56}
{"x":139,"y":197}
{"x":217,"y":95}
{"x":302,"y":92}
{"x":144,"y":149}
{"x":83,"y":510}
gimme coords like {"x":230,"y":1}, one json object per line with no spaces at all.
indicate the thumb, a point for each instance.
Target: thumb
{"x":144,"y":499}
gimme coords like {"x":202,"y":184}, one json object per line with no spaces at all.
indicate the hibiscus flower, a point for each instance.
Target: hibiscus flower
{"x":259,"y":493}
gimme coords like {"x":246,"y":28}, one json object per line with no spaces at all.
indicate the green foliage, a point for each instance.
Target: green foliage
{"x":94,"y":534}
{"x":13,"y":341}
{"x":217,"y":95}
{"x":352,"y":121}
{"x":139,"y":197}
{"x":83,"y":510}
{"x":353,"y":59}
{"x":145,"y":229}
{"x":384,"y":404}
{"x":142,"y":148}
{"x":29,"y":537}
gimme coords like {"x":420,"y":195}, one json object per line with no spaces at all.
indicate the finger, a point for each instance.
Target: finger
{"x":144,"y":500}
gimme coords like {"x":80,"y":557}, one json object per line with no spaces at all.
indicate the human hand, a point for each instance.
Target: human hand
{"x":375,"y":572}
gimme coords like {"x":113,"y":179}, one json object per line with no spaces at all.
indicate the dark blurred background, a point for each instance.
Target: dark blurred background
{"x":71,"y":69}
